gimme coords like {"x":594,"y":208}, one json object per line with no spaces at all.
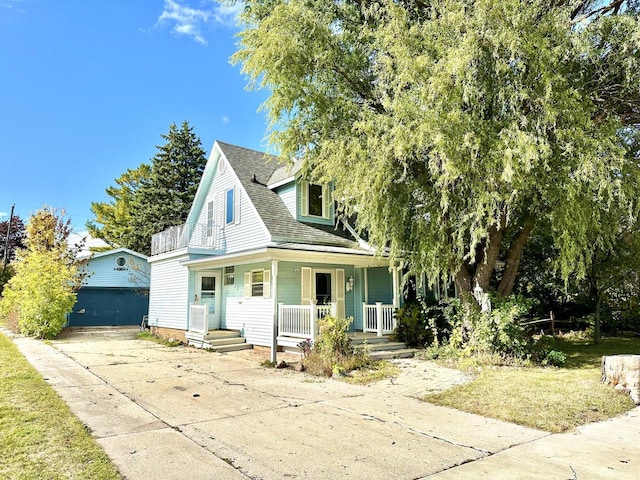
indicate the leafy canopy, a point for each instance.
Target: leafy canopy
{"x":47,"y":275}
{"x":453,"y":128}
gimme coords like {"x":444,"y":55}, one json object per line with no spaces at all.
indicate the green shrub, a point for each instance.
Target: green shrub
{"x":413,"y":327}
{"x":556,"y":358}
{"x":333,"y":338}
{"x":332,"y":353}
{"x":496,"y":332}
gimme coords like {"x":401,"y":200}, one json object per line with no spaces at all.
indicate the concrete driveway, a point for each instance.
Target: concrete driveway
{"x":175,"y":413}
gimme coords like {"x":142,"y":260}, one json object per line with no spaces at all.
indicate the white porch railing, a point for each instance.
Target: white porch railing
{"x":378,"y":318}
{"x":300,"y":321}
{"x":198,"y":235}
{"x":199,"y":318}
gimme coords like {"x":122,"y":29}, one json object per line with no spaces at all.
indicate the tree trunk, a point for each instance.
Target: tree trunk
{"x":485,"y":268}
{"x":514,"y":254}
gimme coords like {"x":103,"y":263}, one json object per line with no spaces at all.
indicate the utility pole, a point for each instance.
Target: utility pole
{"x":6,"y":242}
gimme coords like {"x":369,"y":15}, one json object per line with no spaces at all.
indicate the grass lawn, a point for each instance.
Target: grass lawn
{"x":547,"y":398}
{"x":39,"y":436}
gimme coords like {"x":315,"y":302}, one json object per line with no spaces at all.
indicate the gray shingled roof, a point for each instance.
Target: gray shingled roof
{"x":284,"y":172}
{"x":254,"y":170}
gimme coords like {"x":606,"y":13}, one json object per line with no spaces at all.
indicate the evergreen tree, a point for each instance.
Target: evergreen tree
{"x":16,"y":234}
{"x":457,"y":128}
{"x":165,"y":199}
{"x":151,"y":198}
{"x":113,"y":222}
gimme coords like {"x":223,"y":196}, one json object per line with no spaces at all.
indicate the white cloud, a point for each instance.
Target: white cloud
{"x":3,"y":214}
{"x":226,"y":120}
{"x":189,"y":21}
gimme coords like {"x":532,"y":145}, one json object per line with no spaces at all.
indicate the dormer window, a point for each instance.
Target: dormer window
{"x":316,"y":200}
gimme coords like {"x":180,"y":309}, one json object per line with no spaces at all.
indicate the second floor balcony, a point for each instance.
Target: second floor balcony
{"x":185,"y":235}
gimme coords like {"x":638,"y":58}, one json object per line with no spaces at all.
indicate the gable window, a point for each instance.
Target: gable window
{"x":121,"y":263}
{"x":316,"y":201}
{"x":229,"y":275}
{"x":229,"y":206}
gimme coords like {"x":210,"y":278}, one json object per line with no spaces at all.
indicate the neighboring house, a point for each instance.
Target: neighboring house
{"x":116,"y":292}
{"x":261,"y":253}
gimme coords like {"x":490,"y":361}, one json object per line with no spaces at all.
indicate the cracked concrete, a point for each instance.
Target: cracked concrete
{"x":172,"y":413}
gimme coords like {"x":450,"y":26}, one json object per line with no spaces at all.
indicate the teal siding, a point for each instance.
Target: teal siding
{"x":358,"y":298}
{"x":308,"y":219}
{"x":290,"y":288}
{"x":109,"y":306}
{"x":380,"y":284}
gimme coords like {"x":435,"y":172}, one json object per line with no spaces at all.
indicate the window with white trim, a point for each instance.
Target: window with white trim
{"x":315,"y":199}
{"x":229,"y":214}
{"x":257,"y":283}
{"x":229,"y":275}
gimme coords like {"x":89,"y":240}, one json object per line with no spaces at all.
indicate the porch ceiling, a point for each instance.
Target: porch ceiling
{"x":294,"y":253}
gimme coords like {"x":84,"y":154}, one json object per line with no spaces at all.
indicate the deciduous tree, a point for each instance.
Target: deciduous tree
{"x":456,"y":128}
{"x":47,"y":275}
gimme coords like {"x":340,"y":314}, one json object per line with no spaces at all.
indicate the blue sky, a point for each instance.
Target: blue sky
{"x":88,"y":87}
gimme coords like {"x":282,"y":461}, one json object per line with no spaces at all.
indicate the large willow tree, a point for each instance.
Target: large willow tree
{"x":454,"y":128}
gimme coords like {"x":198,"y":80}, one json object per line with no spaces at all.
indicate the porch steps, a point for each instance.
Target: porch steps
{"x":381,"y":348}
{"x":223,"y":341}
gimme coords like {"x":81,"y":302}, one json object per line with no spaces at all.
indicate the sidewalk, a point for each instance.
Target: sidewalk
{"x":174,"y":413}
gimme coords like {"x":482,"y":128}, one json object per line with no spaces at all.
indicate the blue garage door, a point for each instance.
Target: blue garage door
{"x":109,"y":306}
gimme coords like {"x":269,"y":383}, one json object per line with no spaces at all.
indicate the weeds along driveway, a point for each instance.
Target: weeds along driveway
{"x":163,"y":412}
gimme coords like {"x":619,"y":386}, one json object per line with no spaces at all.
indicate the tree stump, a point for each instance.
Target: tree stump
{"x":623,"y":372}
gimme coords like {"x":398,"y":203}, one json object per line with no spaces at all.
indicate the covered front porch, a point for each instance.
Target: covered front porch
{"x":297,"y":323}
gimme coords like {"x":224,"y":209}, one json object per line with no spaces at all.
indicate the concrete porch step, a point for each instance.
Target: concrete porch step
{"x":379,"y":347}
{"x":217,"y":334}
{"x":221,"y":341}
{"x":369,"y":340}
{"x":233,"y":347}
{"x":391,"y":354}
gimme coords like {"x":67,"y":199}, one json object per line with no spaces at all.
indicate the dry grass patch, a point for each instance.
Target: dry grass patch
{"x":374,"y":372}
{"x":39,"y":436}
{"x":551,"y":399}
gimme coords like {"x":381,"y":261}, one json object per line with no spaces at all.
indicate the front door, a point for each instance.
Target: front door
{"x":207,"y":284}
{"x":323,"y":288}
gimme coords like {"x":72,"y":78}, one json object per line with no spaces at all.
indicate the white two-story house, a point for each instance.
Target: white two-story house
{"x":261,"y":253}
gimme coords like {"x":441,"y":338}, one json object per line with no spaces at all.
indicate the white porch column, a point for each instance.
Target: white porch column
{"x":364,"y":317}
{"x":314,"y":319}
{"x":396,"y":283}
{"x":379,"y":318}
{"x":274,"y":324}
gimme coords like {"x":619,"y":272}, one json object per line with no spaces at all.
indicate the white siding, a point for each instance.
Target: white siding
{"x":105,"y":273}
{"x":249,"y":232}
{"x":168,"y":303}
{"x":288,"y":195}
{"x":252,"y":316}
